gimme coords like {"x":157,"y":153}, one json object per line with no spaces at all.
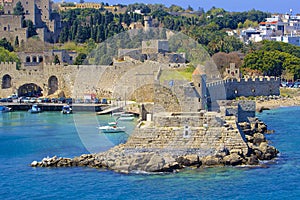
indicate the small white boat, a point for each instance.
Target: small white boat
{"x":66,"y":109}
{"x":4,"y":109}
{"x":112,"y":127}
{"x":117,"y":114}
{"x":125,"y":117}
{"x":35,"y":109}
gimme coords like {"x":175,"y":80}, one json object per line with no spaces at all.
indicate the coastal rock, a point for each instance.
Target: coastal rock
{"x":252,"y":160}
{"x":189,"y":160}
{"x":233,"y":159}
{"x":258,"y":138}
{"x":34,"y":164}
{"x":211,"y":161}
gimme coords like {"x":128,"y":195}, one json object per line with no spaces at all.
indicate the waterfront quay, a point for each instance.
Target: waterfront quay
{"x":56,"y":106}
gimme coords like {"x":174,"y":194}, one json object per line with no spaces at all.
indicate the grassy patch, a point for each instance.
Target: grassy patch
{"x":289,"y":92}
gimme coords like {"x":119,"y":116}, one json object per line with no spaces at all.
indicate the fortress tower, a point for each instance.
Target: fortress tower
{"x":199,"y":80}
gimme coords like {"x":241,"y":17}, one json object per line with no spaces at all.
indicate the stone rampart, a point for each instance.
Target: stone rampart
{"x":258,"y":86}
{"x":178,"y":139}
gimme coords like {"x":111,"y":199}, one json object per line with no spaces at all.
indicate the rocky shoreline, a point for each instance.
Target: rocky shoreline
{"x":121,"y":159}
{"x":268,"y":103}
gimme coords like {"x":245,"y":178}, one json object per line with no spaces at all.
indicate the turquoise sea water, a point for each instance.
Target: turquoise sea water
{"x":26,"y":137}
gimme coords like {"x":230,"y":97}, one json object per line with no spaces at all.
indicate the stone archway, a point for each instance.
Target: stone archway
{"x":6,"y":81}
{"x":30,"y":90}
{"x":52,"y":85}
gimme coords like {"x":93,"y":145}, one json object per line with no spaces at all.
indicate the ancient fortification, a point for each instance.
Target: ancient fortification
{"x":180,"y":127}
{"x":46,"y":22}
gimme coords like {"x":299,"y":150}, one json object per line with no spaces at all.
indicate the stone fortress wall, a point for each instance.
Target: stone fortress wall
{"x":201,"y":133}
{"x":258,"y":86}
{"x":110,"y":75}
{"x":47,"y":24}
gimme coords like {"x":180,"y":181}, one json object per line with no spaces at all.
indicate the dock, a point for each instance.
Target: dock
{"x":110,"y":110}
{"x":55,"y":106}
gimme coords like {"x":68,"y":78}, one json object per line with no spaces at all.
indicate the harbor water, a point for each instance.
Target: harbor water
{"x":26,"y":137}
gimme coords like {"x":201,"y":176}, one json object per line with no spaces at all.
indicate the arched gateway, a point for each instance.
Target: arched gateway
{"x":53,"y":85}
{"x":30,"y":90}
{"x":6,"y":81}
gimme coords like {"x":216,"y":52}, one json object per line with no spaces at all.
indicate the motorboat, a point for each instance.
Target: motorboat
{"x":117,"y":114}
{"x":4,"y":109}
{"x":112,"y":127}
{"x":66,"y":109}
{"x":35,"y":109}
{"x":125,"y":117}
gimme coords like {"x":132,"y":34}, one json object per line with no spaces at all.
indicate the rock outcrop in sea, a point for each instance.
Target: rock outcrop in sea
{"x":157,"y":148}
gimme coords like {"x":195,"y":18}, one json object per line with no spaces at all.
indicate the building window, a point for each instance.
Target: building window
{"x":253,"y":90}
{"x":28,"y":59}
{"x":27,"y":12}
{"x":4,"y":28}
{"x":8,"y":12}
{"x":40,"y":58}
{"x":34,"y":59}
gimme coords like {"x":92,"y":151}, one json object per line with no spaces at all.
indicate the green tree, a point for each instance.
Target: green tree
{"x":189,"y":8}
{"x":6,"y":56}
{"x":56,"y":60}
{"x":30,"y":28}
{"x":80,"y":58}
{"x":19,"y":9}
{"x":6,"y":45}
{"x":17,"y":43}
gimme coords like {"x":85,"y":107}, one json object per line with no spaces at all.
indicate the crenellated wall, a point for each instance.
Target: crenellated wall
{"x":258,"y":86}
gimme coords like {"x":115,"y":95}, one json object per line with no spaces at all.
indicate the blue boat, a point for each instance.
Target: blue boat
{"x":4,"y":109}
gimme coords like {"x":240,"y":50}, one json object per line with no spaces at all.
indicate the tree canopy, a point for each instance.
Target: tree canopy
{"x":6,"y":56}
{"x":19,"y":9}
{"x":274,"y":59}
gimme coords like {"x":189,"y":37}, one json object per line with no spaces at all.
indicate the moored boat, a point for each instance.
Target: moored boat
{"x":66,"y":109}
{"x":112,"y":127}
{"x":4,"y":109}
{"x":35,"y":109}
{"x":125,"y":117}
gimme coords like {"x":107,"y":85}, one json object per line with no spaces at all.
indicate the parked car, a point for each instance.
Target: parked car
{"x":21,"y":99}
{"x":54,"y":100}
{"x":6,"y":100}
{"x":296,"y":85}
{"x":46,"y":100}
{"x":26,"y":99}
{"x":14,"y":96}
{"x":69,"y":100}
{"x":61,"y":100}
{"x":40,"y":100}
{"x":33,"y":100}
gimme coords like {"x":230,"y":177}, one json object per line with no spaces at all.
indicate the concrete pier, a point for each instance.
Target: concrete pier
{"x":55,"y":106}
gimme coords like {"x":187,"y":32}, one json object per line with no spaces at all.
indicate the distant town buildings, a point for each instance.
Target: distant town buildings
{"x":279,"y":27}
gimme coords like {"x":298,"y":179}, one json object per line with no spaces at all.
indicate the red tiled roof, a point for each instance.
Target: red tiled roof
{"x":273,"y":22}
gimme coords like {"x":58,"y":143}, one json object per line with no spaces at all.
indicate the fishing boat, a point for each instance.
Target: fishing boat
{"x":66,"y":109}
{"x":125,"y":117}
{"x":112,"y":127}
{"x":35,"y":109}
{"x":4,"y":109}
